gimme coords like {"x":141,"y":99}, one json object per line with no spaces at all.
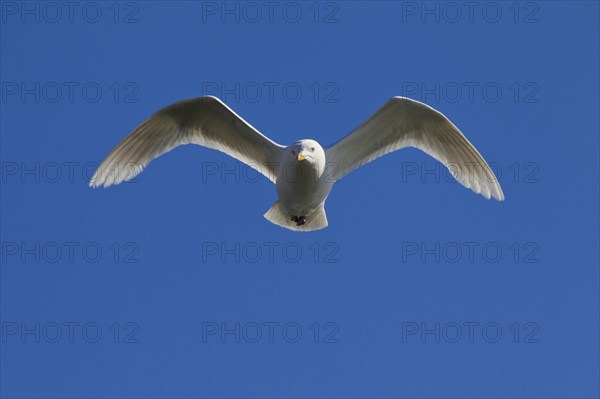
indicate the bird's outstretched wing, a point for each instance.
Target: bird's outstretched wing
{"x":403,"y":122}
{"x":204,"y":121}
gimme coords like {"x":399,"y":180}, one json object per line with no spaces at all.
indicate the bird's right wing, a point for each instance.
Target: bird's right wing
{"x":403,"y":122}
{"x":205,"y":121}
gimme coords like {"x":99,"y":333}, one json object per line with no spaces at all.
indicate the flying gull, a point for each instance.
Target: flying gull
{"x":303,"y":172}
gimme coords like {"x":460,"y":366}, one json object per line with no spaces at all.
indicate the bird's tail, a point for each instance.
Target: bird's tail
{"x":280,"y":216}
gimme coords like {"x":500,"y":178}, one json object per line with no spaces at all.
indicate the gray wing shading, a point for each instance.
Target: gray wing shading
{"x":204,"y":121}
{"x":403,"y":122}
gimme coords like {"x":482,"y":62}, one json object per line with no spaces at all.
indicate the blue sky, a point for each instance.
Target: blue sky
{"x":175,"y":285}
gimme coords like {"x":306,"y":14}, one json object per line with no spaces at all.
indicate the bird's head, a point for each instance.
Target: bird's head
{"x":307,"y":152}
{"x":307,"y":155}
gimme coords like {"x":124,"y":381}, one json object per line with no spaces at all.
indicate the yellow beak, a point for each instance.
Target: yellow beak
{"x":300,"y":156}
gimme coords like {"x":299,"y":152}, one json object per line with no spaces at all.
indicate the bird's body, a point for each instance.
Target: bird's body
{"x":304,"y":191}
{"x":302,"y":184}
{"x":304,"y":172}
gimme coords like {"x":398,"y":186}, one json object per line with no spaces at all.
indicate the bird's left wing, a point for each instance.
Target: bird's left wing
{"x":205,"y":121}
{"x":403,"y":122}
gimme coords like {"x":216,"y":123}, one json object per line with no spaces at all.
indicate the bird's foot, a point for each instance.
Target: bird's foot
{"x":300,"y":220}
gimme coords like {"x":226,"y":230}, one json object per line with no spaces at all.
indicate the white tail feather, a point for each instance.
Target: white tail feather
{"x":280,"y":216}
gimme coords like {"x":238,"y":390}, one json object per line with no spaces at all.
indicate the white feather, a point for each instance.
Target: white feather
{"x":204,"y":121}
{"x":402,"y":123}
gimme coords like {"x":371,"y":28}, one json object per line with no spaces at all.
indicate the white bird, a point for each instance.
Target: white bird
{"x":303,"y":172}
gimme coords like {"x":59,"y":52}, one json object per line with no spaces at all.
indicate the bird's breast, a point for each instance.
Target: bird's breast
{"x":301,"y":189}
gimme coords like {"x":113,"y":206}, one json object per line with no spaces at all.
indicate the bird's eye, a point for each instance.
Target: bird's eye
{"x":312,"y":148}
{"x":293,"y":152}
